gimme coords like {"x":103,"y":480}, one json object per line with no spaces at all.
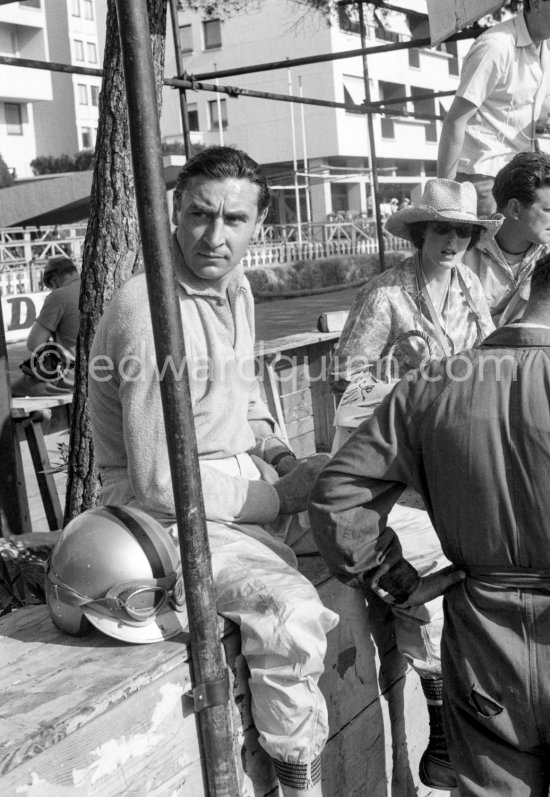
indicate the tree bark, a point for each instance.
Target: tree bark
{"x":112,"y":247}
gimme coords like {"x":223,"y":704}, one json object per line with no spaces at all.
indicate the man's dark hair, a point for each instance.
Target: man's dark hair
{"x":417,"y":231}
{"x":521,"y":177}
{"x":540,"y":278}
{"x":61,"y":264}
{"x":221,"y":163}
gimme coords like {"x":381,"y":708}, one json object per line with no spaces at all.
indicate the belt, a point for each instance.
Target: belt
{"x":511,"y":577}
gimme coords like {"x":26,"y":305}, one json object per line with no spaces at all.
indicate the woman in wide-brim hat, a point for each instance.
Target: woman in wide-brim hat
{"x":431,"y":292}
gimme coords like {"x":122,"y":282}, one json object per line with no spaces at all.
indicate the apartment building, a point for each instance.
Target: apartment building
{"x":329,"y":147}
{"x":48,"y":113}
{"x":22,"y":35}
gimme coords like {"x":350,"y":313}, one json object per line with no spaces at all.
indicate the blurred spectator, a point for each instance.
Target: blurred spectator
{"x":52,"y":339}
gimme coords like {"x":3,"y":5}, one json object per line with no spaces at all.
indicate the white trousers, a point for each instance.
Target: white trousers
{"x":283,"y":628}
{"x":282,"y":621}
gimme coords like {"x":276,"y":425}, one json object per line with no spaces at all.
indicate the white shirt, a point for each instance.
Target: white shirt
{"x":507,"y":78}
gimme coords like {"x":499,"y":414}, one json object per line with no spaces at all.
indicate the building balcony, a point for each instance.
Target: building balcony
{"x":21,"y":84}
{"x":22,"y":14}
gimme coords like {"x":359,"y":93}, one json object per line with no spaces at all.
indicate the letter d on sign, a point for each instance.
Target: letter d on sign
{"x":16,"y":307}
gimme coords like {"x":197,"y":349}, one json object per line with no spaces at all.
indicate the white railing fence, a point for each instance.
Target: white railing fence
{"x":24,"y":251}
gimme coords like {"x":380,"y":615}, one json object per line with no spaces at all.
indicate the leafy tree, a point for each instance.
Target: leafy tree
{"x":6,"y":177}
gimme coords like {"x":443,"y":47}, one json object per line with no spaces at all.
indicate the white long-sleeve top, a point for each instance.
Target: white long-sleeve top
{"x":125,"y":401}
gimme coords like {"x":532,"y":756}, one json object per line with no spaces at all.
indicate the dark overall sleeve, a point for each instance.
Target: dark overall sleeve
{"x":354,"y":494}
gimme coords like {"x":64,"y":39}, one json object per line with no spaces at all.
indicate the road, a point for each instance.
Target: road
{"x":287,"y":316}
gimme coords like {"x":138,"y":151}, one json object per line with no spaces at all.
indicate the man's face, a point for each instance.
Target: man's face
{"x":216,"y":220}
{"x":534,"y":220}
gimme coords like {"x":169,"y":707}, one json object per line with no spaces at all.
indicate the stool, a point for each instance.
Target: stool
{"x":28,"y":415}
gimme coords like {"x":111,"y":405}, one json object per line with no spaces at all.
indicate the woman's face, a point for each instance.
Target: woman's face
{"x":445,"y":243}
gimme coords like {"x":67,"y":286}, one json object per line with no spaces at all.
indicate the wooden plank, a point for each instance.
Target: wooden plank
{"x":14,"y":505}
{"x":297,"y":405}
{"x":22,"y":407}
{"x":361,"y":653}
{"x":42,"y":465}
{"x":299,"y":427}
{"x":94,"y":716}
{"x":304,"y":445}
{"x":323,"y":403}
{"x":290,"y":342}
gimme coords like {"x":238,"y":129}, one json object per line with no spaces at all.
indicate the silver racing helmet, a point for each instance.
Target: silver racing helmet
{"x":117,"y":568}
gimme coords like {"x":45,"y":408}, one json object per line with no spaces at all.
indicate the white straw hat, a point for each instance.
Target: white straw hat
{"x":444,"y":200}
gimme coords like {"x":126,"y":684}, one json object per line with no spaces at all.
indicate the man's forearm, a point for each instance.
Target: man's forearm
{"x":450,"y":148}
{"x":453,"y":134}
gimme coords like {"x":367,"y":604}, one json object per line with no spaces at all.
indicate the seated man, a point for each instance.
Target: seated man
{"x":220,"y":201}
{"x":504,"y":264}
{"x":58,"y":322}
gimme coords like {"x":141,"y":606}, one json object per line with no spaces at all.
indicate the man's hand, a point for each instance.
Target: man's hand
{"x":427,"y":588}
{"x":294,"y":488}
{"x":286,"y":465}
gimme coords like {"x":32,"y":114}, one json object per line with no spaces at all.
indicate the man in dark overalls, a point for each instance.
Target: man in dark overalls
{"x":472,"y":435}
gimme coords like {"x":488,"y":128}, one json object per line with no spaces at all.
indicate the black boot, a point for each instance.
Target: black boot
{"x":435,"y":768}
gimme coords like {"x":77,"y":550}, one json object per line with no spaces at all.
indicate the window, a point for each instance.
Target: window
{"x":348,"y":19}
{"x":186,"y":38}
{"x":87,"y":142}
{"x":339,"y":197}
{"x":78,"y":50}
{"x":82,"y":90}
{"x":88,"y":9}
{"x":427,"y":106}
{"x":75,"y":8}
{"x":389,"y":91}
{"x":92,"y":52}
{"x":193,"y":116}
{"x":14,"y":119}
{"x":94,"y":95}
{"x":213,"y":114}
{"x":414,"y":58}
{"x":212,"y":29}
{"x":354,"y":90}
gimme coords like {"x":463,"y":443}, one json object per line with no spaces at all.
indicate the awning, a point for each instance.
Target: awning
{"x":55,"y":198}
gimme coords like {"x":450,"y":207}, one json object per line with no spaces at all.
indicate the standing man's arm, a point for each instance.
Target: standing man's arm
{"x":354,"y":494}
{"x":452,"y":137}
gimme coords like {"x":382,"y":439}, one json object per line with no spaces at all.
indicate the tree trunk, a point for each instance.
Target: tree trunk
{"x":112,"y":248}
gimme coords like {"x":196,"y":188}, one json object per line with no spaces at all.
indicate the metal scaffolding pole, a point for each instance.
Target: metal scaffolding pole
{"x":372,"y":146}
{"x":318,"y":59}
{"x":246,"y":70}
{"x":179,"y":67}
{"x":211,"y":681}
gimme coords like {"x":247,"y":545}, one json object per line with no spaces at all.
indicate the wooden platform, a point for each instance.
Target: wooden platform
{"x":94,"y":716}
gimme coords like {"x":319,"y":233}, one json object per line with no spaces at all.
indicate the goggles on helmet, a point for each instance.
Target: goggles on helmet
{"x":138,"y":601}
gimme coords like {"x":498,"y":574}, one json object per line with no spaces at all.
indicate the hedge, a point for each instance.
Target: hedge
{"x":306,"y":277}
